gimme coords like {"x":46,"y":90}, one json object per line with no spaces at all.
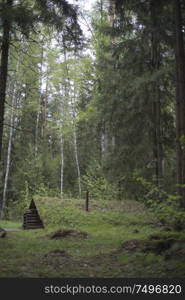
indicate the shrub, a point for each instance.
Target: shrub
{"x":95,"y":182}
{"x":166,"y":207}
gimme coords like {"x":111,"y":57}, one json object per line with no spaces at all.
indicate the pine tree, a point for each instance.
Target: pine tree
{"x":180,"y":100}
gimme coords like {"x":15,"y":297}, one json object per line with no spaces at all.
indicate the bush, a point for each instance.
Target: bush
{"x":95,"y":182}
{"x":166,"y":207}
{"x":44,"y":191}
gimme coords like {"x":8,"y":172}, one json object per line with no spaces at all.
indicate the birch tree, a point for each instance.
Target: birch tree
{"x":39,"y":103}
{"x":10,"y":140}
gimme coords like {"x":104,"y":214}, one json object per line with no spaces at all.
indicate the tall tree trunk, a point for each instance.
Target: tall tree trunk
{"x":61,"y":167}
{"x":12,"y":126}
{"x":156,"y":105}
{"x":112,"y":12}
{"x":45,"y":101}
{"x":4,"y":67}
{"x":180,"y":101}
{"x":63,"y":112}
{"x":104,"y":141}
{"x":77,"y":160}
{"x":73,"y":100}
{"x":39,"y":103}
{"x":8,"y":153}
{"x":75,"y":142}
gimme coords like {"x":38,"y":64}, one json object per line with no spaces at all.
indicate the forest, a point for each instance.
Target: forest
{"x":92,"y":134}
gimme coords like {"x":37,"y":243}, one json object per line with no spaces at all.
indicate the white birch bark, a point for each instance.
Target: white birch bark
{"x":39,"y":103}
{"x":77,"y":161}
{"x":73,"y":100}
{"x":72,"y":97}
{"x":104,"y":143}
{"x":9,"y":145}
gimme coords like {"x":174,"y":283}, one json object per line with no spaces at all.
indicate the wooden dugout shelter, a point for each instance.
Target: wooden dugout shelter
{"x":31,"y":218}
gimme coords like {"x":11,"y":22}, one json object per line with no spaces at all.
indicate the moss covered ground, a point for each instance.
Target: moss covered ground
{"x":123,"y":239}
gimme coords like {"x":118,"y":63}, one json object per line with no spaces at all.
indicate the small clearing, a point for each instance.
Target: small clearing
{"x":114,"y":240}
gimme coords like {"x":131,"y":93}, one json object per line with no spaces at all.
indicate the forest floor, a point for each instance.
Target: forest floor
{"x":113,"y":239}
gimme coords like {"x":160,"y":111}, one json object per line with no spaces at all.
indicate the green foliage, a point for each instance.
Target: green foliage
{"x":169,"y":212}
{"x":17,"y":208}
{"x":45,"y":191}
{"x":165,"y":206}
{"x":95,"y":182}
{"x":153,"y":258}
{"x":107,"y":93}
{"x":182,"y":141}
{"x":152,"y":191}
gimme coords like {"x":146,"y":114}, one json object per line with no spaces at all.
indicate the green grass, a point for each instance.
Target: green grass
{"x":9,"y":224}
{"x":28,"y":253}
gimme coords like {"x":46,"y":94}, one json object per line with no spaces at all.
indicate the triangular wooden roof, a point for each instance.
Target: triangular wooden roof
{"x":32,"y":205}
{"x":31,"y":218}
